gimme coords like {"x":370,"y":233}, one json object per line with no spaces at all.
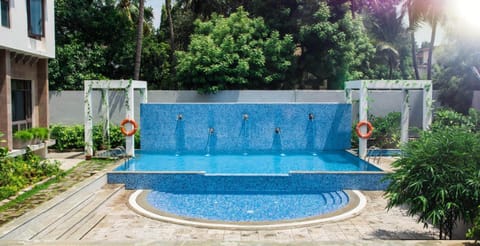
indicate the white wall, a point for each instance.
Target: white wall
{"x":15,"y":38}
{"x":66,"y":107}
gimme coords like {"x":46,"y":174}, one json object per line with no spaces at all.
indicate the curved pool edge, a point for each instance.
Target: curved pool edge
{"x":137,"y":202}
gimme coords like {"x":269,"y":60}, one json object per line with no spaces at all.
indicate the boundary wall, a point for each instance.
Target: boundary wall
{"x":66,"y":107}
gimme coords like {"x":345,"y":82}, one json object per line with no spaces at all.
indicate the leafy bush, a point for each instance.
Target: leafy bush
{"x":68,"y":137}
{"x":386,"y":133}
{"x":24,"y":135}
{"x":438,"y":178}
{"x":474,"y":232}
{"x":72,"y":137}
{"x":40,"y":133}
{"x":17,"y":173}
{"x":444,"y":118}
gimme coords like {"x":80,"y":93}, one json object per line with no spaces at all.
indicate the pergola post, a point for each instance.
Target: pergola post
{"x":363,"y":116}
{"x":130,"y":140}
{"x":106,"y":112}
{"x":88,"y":120}
{"x":405,"y":114}
{"x":427,"y":106}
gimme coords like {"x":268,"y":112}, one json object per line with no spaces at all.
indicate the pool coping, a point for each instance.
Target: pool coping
{"x":138,"y":203}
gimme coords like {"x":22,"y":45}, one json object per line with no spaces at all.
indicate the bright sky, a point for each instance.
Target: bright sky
{"x":466,"y":11}
{"x":157,"y":10}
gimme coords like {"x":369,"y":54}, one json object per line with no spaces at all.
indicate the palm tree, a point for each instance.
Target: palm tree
{"x":434,"y":14}
{"x":431,"y":11}
{"x":412,"y":7}
{"x":138,"y":49}
{"x":386,"y":28}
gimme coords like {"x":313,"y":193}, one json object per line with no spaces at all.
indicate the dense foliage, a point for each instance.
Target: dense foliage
{"x":311,"y":44}
{"x":72,"y":137}
{"x":474,"y":232}
{"x":96,"y":40}
{"x":17,"y":173}
{"x":438,"y":176}
{"x":236,"y":52}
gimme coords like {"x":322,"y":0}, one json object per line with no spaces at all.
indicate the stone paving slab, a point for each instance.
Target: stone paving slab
{"x":248,"y":243}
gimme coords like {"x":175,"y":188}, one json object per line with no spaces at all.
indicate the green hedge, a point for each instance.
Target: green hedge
{"x":72,"y":137}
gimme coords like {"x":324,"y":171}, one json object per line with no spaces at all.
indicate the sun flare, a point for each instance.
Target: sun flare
{"x":467,"y":12}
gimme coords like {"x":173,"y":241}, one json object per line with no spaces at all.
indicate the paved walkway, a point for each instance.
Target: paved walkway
{"x":117,"y":224}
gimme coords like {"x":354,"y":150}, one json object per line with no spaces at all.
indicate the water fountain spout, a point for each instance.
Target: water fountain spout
{"x":277,"y":130}
{"x":311,"y":116}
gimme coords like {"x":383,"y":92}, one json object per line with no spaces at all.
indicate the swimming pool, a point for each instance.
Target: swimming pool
{"x":289,"y":166}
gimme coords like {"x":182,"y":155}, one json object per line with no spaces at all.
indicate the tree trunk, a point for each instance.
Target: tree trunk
{"x":414,"y":54}
{"x":168,"y":6}
{"x":170,"y":24}
{"x":430,"y":51}
{"x":138,"y":49}
{"x":352,"y":8}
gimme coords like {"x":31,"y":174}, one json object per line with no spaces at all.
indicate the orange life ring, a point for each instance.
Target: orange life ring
{"x":134,"y":125}
{"x":369,"y":129}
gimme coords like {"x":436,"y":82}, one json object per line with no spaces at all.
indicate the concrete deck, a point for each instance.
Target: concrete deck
{"x":94,"y":213}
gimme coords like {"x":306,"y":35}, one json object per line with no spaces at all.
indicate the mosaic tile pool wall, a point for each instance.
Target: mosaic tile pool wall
{"x":294,"y":182}
{"x":238,"y":128}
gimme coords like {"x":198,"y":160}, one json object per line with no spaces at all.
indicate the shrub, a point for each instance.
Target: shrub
{"x":386,"y":133}
{"x":17,"y":173}
{"x":40,"y":133}
{"x":67,"y":137}
{"x":437,"y":178}
{"x":72,"y":137}
{"x":474,"y":232}
{"x":448,"y":118}
{"x":24,"y":135}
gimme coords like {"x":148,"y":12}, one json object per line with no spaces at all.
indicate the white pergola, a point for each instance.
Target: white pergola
{"x":105,"y":85}
{"x":405,"y":86}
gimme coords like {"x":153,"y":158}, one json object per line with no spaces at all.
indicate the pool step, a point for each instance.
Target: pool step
{"x":73,"y":220}
{"x":59,"y":216}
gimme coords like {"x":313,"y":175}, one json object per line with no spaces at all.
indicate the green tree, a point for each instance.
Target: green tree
{"x":139,"y":40}
{"x":335,"y":48}
{"x":437,"y":178}
{"x":385,"y":26}
{"x":455,"y":78}
{"x":236,"y":52}
{"x":96,"y":40}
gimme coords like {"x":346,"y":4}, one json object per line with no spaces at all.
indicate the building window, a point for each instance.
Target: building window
{"x":35,"y":13}
{"x":5,"y":13}
{"x":21,"y":104}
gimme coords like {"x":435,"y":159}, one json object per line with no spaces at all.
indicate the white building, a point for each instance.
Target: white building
{"x":27,"y":41}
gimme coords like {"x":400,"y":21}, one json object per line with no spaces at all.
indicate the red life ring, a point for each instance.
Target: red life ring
{"x":369,"y":129}
{"x":131,"y":132}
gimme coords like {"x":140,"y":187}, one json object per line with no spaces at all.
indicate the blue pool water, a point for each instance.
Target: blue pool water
{"x":247,"y":164}
{"x":245,"y":207}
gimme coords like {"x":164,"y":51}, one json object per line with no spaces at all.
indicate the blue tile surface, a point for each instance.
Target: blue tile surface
{"x":294,"y":182}
{"x":164,"y":131}
{"x":248,"y":207}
